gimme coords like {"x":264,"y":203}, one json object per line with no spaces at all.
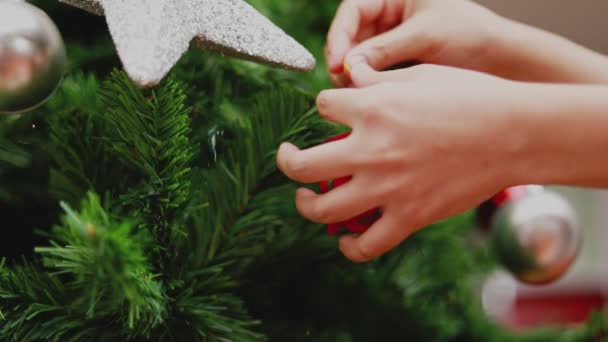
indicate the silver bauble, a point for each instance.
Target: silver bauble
{"x":536,"y":237}
{"x":32,"y":56}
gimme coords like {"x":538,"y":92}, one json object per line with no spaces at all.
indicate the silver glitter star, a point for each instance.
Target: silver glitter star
{"x":151,"y":35}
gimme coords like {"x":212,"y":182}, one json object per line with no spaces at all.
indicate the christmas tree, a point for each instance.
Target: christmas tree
{"x":158,"y":214}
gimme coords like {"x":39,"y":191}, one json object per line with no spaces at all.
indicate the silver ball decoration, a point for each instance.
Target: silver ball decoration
{"x":32,"y":56}
{"x":536,"y":237}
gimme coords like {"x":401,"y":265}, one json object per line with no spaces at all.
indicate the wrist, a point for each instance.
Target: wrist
{"x":557,"y":134}
{"x":509,"y":138}
{"x":510,"y":55}
{"x":526,"y":53}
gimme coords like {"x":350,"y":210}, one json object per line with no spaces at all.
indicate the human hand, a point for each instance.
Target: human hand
{"x":458,"y":33}
{"x":388,"y":32}
{"x":423,"y":148}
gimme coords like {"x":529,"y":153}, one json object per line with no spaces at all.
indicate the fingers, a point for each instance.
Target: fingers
{"x":316,"y":164}
{"x":351,"y":16}
{"x":342,"y":106}
{"x":392,"y":15}
{"x":365,"y":33}
{"x":362,"y":75}
{"x":330,"y":160}
{"x":337,"y":205}
{"x":404,"y":43}
{"x":384,"y":235}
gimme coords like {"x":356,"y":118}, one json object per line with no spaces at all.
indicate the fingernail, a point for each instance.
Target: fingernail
{"x":305,"y":193}
{"x":287,"y":146}
{"x":283,"y":151}
{"x":355,"y":60}
{"x":283,"y":154}
{"x":344,"y":244}
{"x":347,"y":67}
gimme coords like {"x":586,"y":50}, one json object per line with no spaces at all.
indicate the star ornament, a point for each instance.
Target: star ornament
{"x":152,"y":35}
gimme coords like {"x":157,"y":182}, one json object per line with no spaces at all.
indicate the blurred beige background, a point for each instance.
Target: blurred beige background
{"x":584,"y":22}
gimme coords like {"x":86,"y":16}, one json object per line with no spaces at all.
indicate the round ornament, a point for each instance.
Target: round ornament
{"x":32,"y":56}
{"x":534,"y":233}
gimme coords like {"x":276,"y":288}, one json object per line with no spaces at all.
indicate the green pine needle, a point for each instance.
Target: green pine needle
{"x":175,"y":224}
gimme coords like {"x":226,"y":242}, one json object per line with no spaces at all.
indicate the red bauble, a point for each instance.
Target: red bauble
{"x":358,"y":224}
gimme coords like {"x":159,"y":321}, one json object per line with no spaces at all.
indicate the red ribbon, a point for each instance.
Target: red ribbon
{"x":358,"y":224}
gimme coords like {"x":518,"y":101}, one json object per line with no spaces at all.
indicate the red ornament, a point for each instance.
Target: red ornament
{"x":358,"y":224}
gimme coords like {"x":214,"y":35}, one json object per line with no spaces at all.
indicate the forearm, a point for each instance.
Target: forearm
{"x":558,"y":134}
{"x":525,"y":53}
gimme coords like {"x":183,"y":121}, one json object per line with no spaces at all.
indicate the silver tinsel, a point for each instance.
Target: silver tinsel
{"x":151,"y":35}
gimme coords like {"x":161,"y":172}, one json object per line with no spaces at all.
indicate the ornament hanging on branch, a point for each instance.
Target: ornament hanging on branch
{"x":151,"y":35}
{"x":534,"y":232}
{"x":32,"y":56}
{"x":356,"y":225}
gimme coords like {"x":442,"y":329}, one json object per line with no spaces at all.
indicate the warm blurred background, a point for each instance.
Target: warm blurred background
{"x":586,"y":285}
{"x":582,"y":21}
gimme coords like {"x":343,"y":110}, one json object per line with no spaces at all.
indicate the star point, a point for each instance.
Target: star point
{"x":152,"y":35}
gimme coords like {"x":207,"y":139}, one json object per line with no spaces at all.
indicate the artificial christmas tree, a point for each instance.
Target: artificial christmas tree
{"x":158,"y":214}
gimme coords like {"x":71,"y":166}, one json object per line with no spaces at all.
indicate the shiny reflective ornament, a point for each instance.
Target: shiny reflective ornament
{"x":535,"y":234}
{"x":32,"y":56}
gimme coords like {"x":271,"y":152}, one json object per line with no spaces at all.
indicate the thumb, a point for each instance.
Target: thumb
{"x":404,"y":43}
{"x":362,"y":75}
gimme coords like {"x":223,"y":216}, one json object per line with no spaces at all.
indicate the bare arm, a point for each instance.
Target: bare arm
{"x":430,"y":142}
{"x":457,"y":33}
{"x":559,"y":135}
{"x":525,"y":53}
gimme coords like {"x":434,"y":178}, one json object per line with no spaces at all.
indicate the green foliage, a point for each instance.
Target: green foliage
{"x":11,"y":156}
{"x":224,"y":192}
{"x":79,"y":162}
{"x":33,"y":306}
{"x":150,"y":137}
{"x":94,"y":275}
{"x":175,"y":224}
{"x":106,"y":261}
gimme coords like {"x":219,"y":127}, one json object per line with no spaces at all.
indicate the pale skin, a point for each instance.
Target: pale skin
{"x":498,"y":104}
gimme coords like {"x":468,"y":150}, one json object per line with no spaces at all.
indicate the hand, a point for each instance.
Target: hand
{"x":458,"y":33}
{"x":388,"y":32}
{"x":423,"y":148}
